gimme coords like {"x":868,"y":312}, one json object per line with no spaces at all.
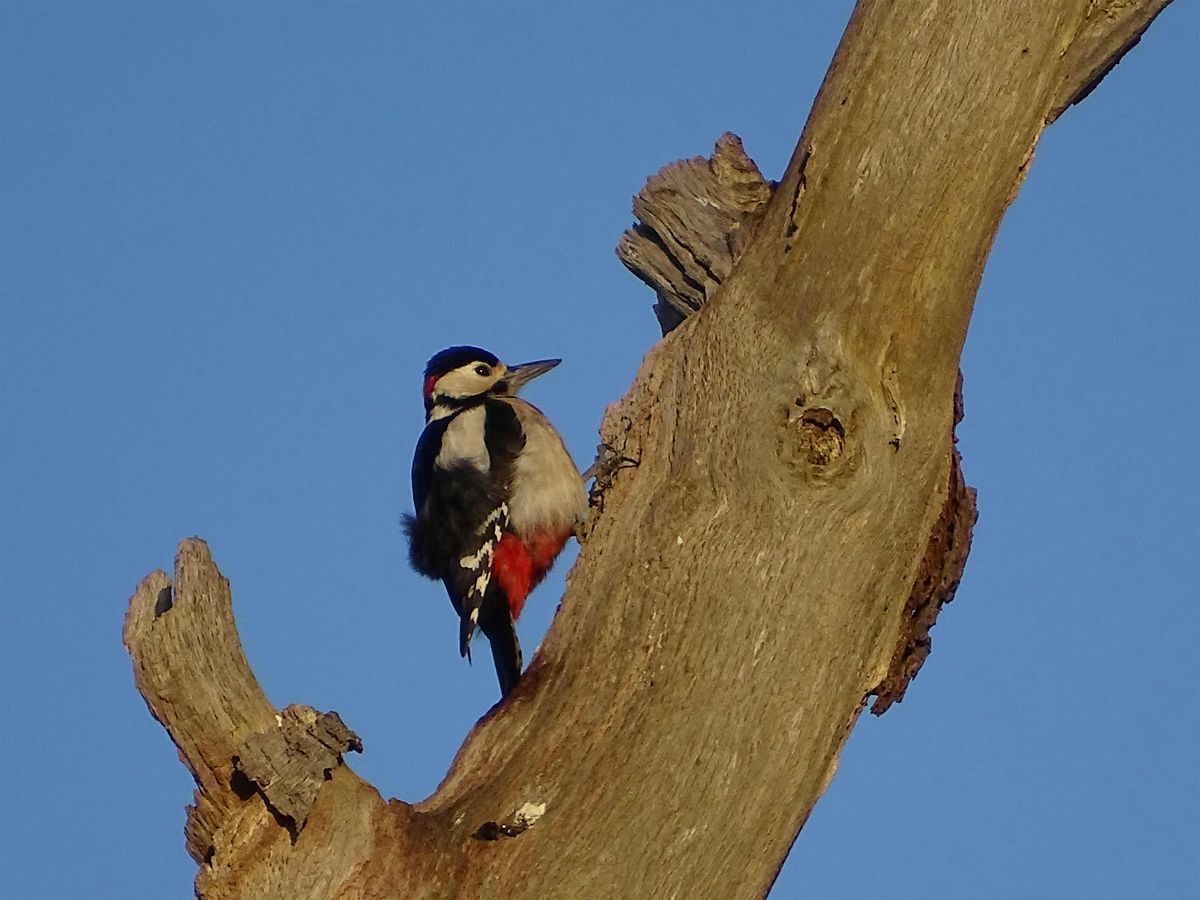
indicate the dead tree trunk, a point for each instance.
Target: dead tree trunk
{"x":724,"y":626}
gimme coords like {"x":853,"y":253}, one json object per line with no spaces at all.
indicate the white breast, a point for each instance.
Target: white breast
{"x":463,"y":442}
{"x":547,"y":490}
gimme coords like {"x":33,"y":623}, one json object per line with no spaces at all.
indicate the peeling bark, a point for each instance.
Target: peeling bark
{"x":288,"y":764}
{"x":724,"y":625}
{"x":937,"y":580}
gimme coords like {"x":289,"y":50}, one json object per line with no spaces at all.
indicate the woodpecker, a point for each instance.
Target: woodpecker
{"x":496,"y":495}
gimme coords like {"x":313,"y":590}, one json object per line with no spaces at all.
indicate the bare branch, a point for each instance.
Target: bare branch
{"x":257,"y":774}
{"x":794,"y":519}
{"x":189,"y":666}
{"x":1110,"y":29}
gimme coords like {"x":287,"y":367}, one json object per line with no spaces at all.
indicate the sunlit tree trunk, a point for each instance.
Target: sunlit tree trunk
{"x":779,"y":518}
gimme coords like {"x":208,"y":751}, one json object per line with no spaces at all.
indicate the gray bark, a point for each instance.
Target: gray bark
{"x":724,"y":625}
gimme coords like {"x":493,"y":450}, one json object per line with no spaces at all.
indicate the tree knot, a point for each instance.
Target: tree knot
{"x":819,"y":417}
{"x":820,"y":434}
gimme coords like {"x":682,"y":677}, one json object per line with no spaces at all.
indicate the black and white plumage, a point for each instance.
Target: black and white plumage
{"x":496,"y":495}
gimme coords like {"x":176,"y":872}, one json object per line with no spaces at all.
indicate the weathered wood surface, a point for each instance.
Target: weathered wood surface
{"x":725,"y":624}
{"x":694,"y":219}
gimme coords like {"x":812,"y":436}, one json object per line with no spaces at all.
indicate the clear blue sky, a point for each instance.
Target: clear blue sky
{"x":232,"y":234}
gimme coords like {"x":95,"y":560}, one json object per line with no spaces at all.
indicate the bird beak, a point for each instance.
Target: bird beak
{"x":519,"y":376}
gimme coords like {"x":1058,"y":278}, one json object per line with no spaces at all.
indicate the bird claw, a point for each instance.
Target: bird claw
{"x":608,"y":461}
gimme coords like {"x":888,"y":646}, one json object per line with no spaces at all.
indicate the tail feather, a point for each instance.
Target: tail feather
{"x":466,"y":631}
{"x":501,"y":633}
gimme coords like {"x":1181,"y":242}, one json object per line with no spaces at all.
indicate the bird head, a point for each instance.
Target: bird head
{"x":460,"y":376}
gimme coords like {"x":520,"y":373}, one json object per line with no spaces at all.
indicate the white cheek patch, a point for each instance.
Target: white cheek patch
{"x":466,"y":382}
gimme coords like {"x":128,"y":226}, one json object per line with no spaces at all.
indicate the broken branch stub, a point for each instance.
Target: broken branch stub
{"x":288,"y":764}
{"x":695,"y":217}
{"x":191,"y":670}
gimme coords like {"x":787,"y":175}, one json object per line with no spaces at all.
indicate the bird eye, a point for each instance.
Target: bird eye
{"x":483,"y":370}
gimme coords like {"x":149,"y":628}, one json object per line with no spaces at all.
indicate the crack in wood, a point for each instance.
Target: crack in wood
{"x":166,"y":599}
{"x":801,"y":187}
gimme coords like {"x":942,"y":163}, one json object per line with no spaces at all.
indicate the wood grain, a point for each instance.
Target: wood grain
{"x":750,"y":579}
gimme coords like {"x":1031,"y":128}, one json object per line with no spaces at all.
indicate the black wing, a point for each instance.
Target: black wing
{"x":451,"y":503}
{"x":462,"y":513}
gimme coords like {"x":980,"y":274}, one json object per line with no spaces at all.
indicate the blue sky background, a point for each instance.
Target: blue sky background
{"x":231,"y":235}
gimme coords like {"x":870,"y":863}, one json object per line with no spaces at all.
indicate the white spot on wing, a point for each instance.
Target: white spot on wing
{"x":472,"y":562}
{"x":482,"y":558}
{"x":480,"y":588}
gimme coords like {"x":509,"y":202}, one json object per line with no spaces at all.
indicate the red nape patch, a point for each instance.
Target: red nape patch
{"x":519,"y":565}
{"x":430,"y":381}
